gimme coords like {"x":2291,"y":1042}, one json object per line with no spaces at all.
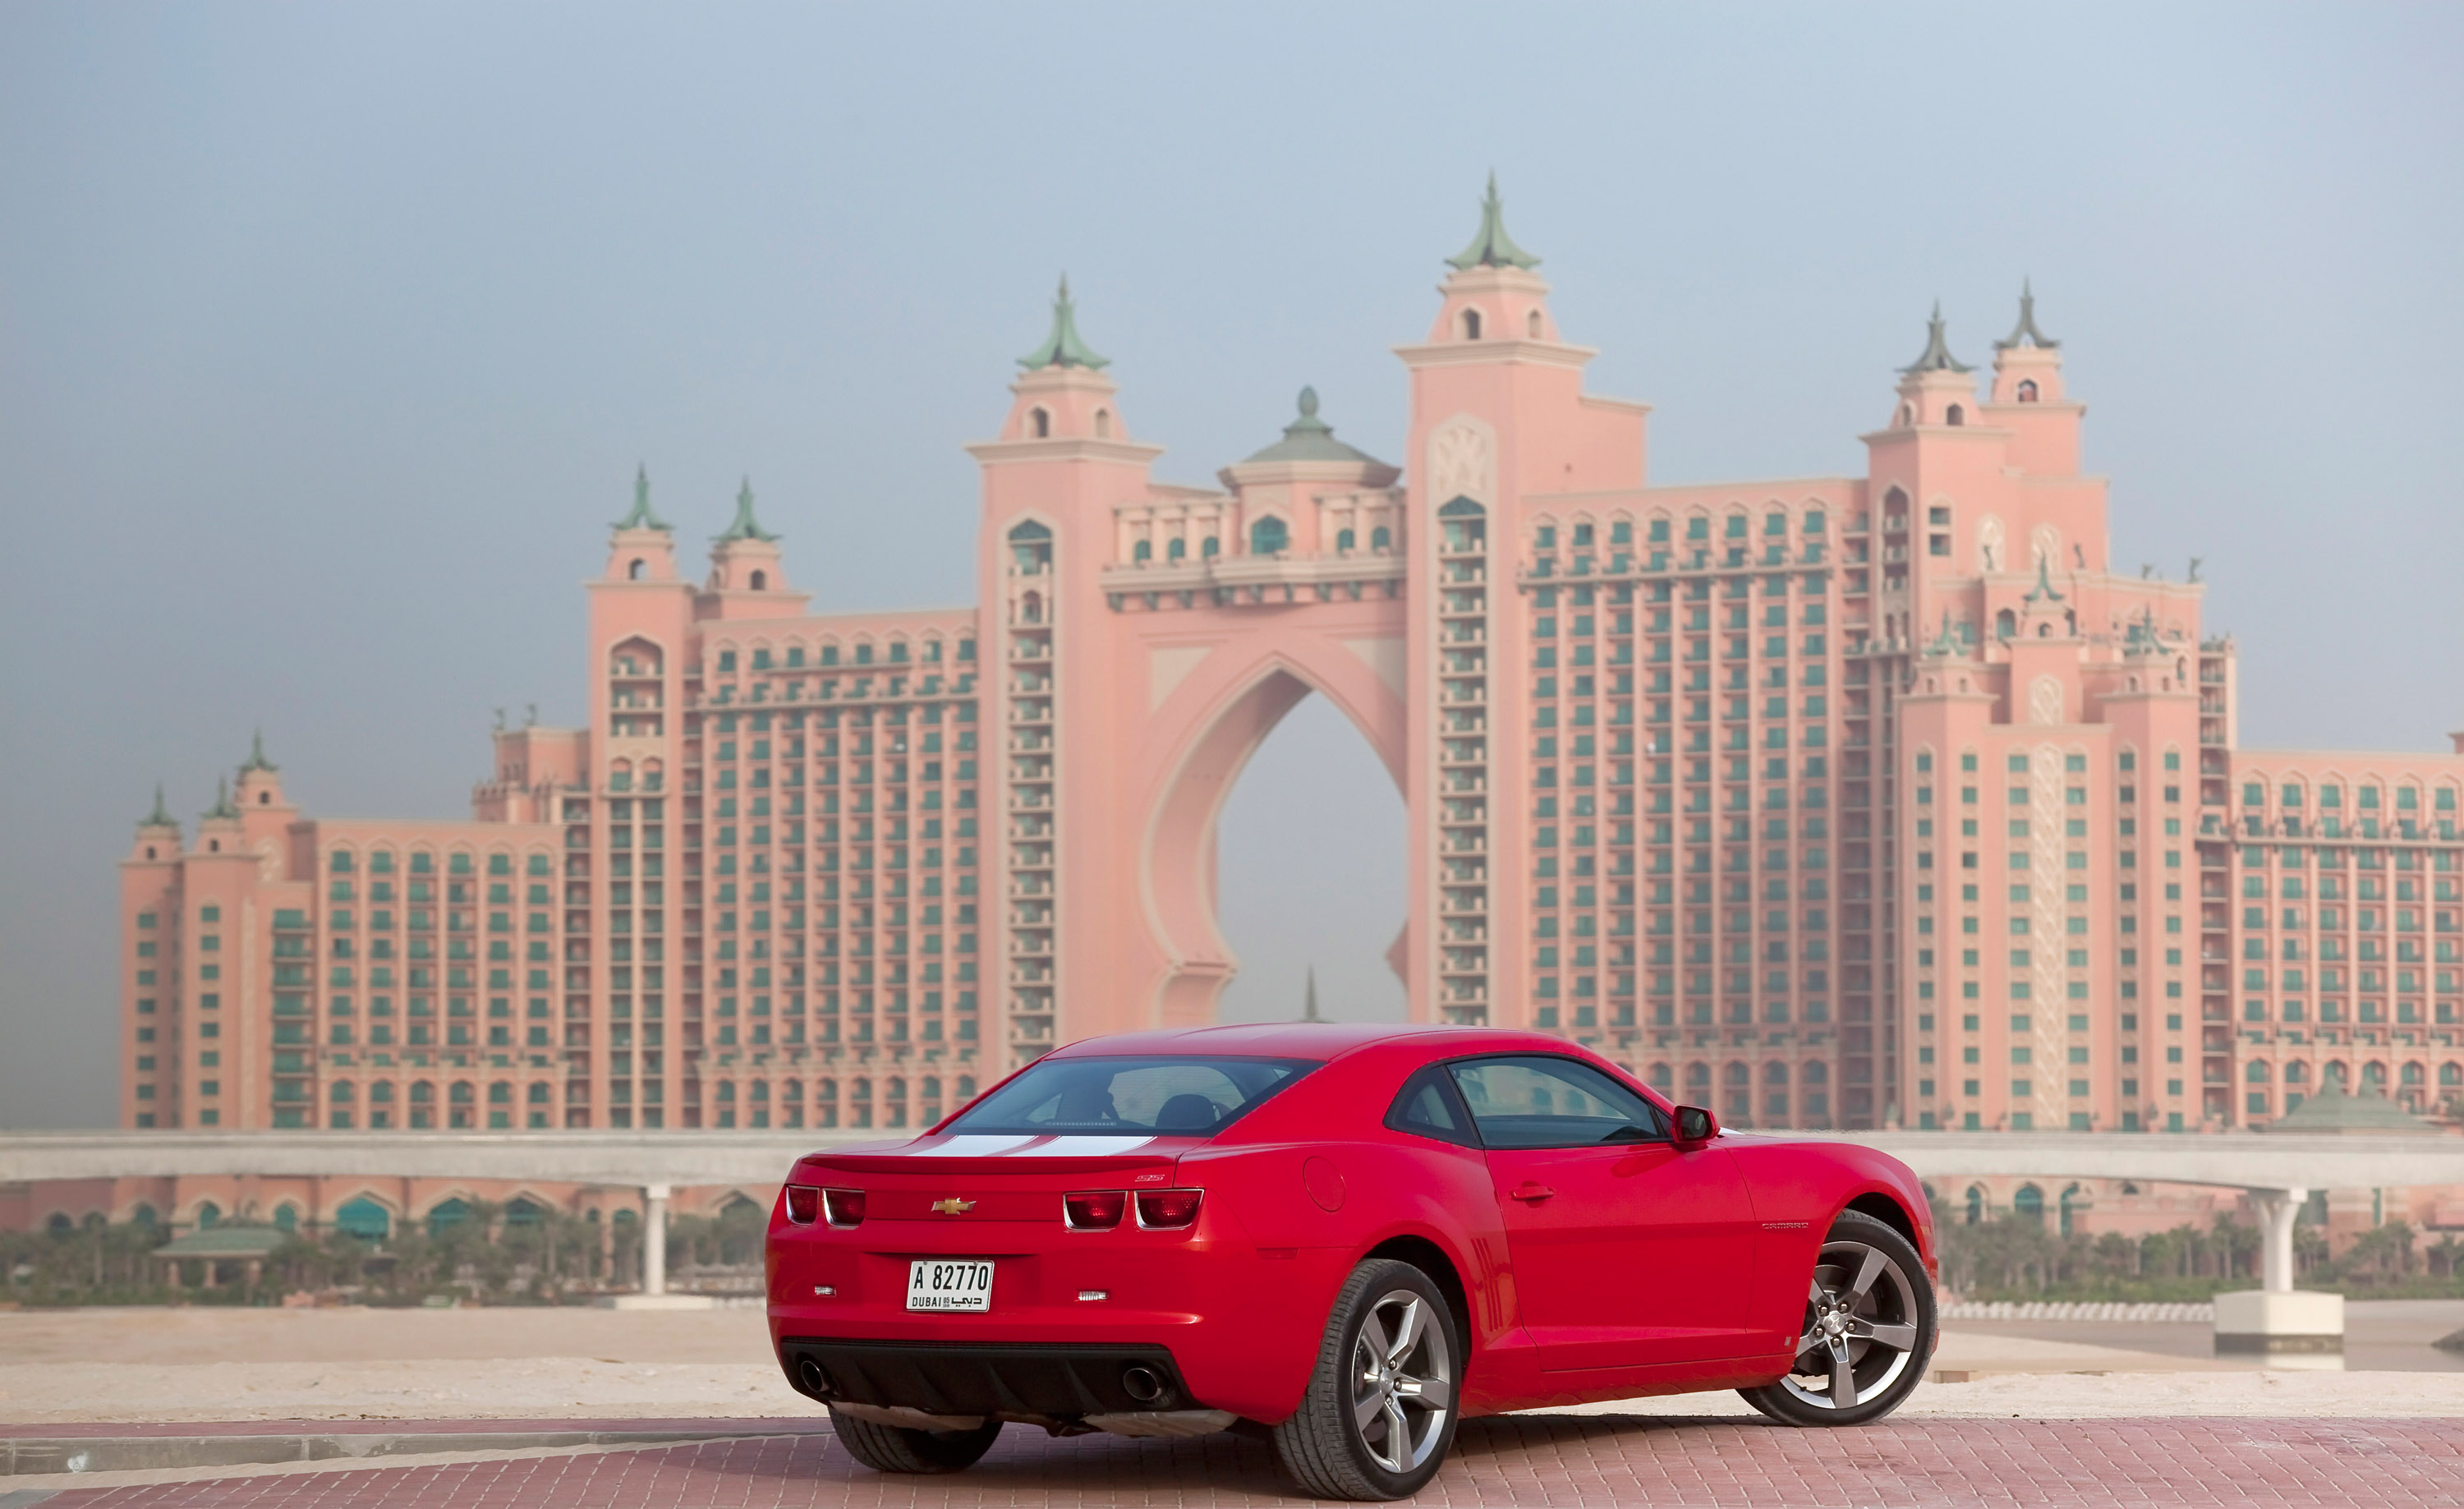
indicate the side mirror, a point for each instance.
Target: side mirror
{"x":1695,"y":1126}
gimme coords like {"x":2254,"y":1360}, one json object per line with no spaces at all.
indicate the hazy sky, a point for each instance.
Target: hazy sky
{"x":330,"y":338}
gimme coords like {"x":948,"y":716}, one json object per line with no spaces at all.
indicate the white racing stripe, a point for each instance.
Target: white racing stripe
{"x":972,"y":1147}
{"x":1083,"y":1146}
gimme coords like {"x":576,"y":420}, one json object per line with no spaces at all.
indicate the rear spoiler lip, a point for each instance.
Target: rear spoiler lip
{"x":996,"y":1166}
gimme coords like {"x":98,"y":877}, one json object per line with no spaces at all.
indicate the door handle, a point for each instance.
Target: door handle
{"x":1532,"y":1194}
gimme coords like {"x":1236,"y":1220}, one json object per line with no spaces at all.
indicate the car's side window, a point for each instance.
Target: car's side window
{"x":1427,"y":1106}
{"x":1539,"y":1101}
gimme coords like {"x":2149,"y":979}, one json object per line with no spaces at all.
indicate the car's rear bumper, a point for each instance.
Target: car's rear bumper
{"x":1239,"y":1329}
{"x":1013,"y":1380}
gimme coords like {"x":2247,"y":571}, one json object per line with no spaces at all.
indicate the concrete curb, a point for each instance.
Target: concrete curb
{"x":25,"y":1456}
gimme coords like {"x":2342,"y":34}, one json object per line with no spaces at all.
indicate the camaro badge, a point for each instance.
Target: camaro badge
{"x":954,"y":1205}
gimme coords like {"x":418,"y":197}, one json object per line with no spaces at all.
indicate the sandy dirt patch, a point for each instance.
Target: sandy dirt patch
{"x":2128,"y":1395}
{"x":214,"y":1334}
{"x":535,"y":1387}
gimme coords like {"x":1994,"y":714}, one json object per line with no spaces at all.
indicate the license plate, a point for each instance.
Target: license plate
{"x":941,"y":1284}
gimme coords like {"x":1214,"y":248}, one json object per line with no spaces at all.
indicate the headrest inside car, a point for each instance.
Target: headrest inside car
{"x":1185,"y":1113}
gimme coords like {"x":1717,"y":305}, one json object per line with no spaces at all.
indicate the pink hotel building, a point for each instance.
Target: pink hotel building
{"x":1828,"y":802}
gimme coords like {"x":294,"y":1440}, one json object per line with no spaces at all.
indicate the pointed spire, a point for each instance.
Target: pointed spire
{"x":1936,"y":356}
{"x":2025,"y":332}
{"x":745,"y":527}
{"x":642,"y":518}
{"x":161,"y":816}
{"x":222,"y":807}
{"x":1063,"y":347}
{"x":1492,"y":247}
{"x":1308,"y":1002}
{"x":256,"y":760}
{"x":1947,"y":642}
{"x":2143,"y":638}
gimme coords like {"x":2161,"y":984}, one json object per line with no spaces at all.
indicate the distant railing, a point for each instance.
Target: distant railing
{"x":2049,"y":1310}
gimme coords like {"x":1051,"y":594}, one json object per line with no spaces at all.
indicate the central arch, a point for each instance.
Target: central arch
{"x":1202,"y":737}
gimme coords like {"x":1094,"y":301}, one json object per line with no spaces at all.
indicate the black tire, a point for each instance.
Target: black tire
{"x":1326,"y":1448}
{"x":897,"y":1448}
{"x":1869,"y":1330}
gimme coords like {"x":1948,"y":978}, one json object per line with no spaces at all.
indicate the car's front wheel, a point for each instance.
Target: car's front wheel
{"x":898,"y":1448}
{"x":1380,"y":1409}
{"x":1868,"y":1329}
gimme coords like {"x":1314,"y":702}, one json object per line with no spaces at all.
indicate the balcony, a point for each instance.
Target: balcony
{"x":1246,"y":580}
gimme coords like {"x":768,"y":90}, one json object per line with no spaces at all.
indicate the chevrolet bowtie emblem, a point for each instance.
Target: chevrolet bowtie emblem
{"x":954,"y":1205}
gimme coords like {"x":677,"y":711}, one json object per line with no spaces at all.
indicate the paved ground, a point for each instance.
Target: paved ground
{"x":2053,"y":1415}
{"x":1524,"y":1460}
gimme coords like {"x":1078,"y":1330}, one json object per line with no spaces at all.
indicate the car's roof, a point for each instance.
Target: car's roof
{"x":1313,"y":1040}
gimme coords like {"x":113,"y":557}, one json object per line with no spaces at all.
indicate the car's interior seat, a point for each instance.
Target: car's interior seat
{"x":1186,"y":1112}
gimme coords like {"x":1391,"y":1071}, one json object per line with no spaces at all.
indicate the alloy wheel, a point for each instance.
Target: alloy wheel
{"x":1402,"y":1382}
{"x":1861,"y":1327}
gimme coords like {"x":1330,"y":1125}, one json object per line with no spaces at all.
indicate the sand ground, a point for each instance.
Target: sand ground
{"x":101,"y":1366}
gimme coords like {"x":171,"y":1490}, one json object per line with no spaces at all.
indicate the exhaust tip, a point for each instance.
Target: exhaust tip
{"x":810,"y":1378}
{"x":1142,"y":1384}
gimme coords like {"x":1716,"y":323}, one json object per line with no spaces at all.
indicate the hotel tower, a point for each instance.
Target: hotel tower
{"x":1850,"y":800}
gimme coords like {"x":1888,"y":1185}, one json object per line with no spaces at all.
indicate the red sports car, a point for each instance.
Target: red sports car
{"x":1345,"y":1238}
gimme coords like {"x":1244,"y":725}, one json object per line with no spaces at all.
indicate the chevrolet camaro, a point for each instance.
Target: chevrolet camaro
{"x":1343,"y":1239}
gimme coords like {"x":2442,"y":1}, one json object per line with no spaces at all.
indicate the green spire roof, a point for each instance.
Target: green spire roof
{"x":745,"y":527}
{"x":642,"y":518}
{"x":161,"y":816}
{"x":1492,"y":247}
{"x":2026,"y":333}
{"x":1063,"y":347}
{"x":222,"y":807}
{"x":1947,"y":642}
{"x":256,"y":760}
{"x":1310,"y":438}
{"x":1936,"y":356}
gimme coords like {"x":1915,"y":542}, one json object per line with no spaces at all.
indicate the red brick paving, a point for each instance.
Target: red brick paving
{"x":1552,"y":1463}
{"x":374,"y":1425}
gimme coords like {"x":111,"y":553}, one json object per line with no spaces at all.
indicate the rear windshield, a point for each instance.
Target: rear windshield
{"x":1166,"y":1096}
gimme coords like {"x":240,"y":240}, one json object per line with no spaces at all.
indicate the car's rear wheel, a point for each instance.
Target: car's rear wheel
{"x":1868,"y":1329}
{"x":898,"y":1448}
{"x":1380,"y":1409}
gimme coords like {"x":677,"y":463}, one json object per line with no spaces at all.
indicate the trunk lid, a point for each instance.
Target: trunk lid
{"x":1007,"y":1178}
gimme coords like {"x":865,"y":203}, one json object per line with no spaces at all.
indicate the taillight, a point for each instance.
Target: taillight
{"x":804,"y":1203}
{"x":1095,"y":1210}
{"x":845,"y":1206}
{"x":1168,"y":1209}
